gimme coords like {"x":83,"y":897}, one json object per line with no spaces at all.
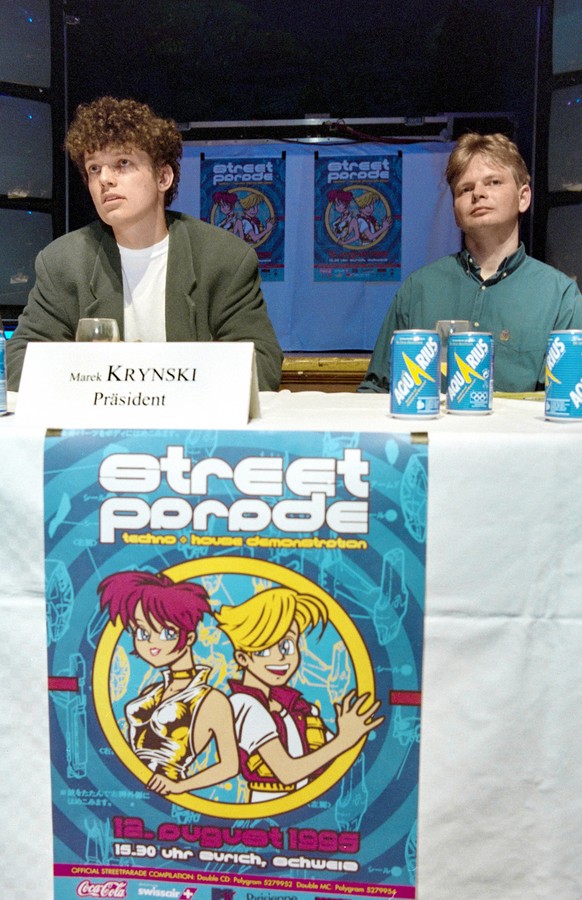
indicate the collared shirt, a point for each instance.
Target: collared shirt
{"x":519,"y":305}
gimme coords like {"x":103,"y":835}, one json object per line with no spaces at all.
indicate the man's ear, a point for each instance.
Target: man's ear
{"x":241,"y":658}
{"x":165,"y":178}
{"x":191,"y":638}
{"x":524,"y":198}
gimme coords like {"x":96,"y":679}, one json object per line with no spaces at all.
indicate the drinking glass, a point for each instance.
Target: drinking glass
{"x":97,"y":330}
{"x":445,"y":327}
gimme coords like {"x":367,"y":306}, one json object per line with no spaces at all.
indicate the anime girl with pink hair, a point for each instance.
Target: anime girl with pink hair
{"x":174,"y":719}
{"x":226,"y":202}
{"x":343,"y":224}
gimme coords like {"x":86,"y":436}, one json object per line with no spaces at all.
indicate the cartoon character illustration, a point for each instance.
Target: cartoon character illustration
{"x":283,"y":741}
{"x":226,"y":202}
{"x":173,"y":720}
{"x":369,"y":228}
{"x":344,"y":224}
{"x":254,"y":230}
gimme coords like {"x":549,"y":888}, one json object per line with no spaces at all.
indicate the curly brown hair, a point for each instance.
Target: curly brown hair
{"x":108,"y":122}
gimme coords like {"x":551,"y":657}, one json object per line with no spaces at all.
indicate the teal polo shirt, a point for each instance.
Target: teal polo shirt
{"x":519,"y":305}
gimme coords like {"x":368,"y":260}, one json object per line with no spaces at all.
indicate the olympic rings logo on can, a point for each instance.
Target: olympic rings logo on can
{"x":469,"y":372}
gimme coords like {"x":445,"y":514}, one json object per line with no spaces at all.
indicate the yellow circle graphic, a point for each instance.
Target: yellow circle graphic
{"x":359,"y":190}
{"x":242,"y":195}
{"x":267,"y":571}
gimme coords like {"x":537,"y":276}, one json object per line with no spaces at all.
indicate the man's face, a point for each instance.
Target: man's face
{"x":273,"y":666}
{"x":124,"y":186}
{"x":487,"y":196}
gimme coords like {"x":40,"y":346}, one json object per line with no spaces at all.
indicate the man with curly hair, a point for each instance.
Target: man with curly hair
{"x":163,"y":275}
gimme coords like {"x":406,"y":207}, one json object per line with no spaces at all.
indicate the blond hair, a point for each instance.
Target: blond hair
{"x":496,"y":148}
{"x":265,"y":618}
{"x":366,"y":199}
{"x":249,"y":200}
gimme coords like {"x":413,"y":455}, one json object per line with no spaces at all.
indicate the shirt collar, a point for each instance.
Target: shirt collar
{"x":506,"y":267}
{"x":288,"y":697}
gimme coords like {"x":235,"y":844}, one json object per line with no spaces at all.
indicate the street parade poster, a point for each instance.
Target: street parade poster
{"x":247,"y":198}
{"x":358,"y":218}
{"x":235,"y":625}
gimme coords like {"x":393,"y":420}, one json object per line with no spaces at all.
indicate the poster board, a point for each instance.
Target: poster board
{"x":337,"y":313}
{"x":335,"y":522}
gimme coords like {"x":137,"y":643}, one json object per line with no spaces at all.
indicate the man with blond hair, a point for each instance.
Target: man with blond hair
{"x":491,"y":282}
{"x":164,"y":276}
{"x":282,"y":739}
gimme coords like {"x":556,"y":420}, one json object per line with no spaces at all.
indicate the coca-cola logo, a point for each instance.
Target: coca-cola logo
{"x":115,"y":889}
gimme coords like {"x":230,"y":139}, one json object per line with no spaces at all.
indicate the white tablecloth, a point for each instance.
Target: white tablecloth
{"x":501,"y":775}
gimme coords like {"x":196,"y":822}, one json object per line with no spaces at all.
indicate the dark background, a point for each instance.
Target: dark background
{"x":245,"y":59}
{"x":219,"y":60}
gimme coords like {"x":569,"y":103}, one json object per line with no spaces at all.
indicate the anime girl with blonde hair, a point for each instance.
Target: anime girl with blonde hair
{"x":254,"y":230}
{"x":369,"y":228}
{"x":282,"y":739}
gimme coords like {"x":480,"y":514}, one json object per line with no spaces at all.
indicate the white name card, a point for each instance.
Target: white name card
{"x":138,"y":385}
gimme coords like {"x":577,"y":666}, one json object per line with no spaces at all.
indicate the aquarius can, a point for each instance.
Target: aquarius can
{"x":3,"y":407}
{"x":415,"y":374}
{"x":563,"y":378}
{"x":470,"y":373}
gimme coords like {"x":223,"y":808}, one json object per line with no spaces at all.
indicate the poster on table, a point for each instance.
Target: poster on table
{"x":235,"y":625}
{"x":247,"y":198}
{"x":358,"y":218}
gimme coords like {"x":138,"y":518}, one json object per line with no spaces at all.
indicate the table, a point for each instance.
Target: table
{"x":500,"y":777}
{"x":331,"y":374}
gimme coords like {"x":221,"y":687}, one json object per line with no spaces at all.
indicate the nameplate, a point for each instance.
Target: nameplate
{"x":138,"y":385}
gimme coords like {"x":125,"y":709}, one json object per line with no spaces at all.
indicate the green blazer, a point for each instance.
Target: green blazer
{"x":213,"y":292}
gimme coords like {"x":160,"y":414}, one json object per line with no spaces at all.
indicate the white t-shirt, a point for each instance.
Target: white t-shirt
{"x":254,"y":726}
{"x":144,"y":291}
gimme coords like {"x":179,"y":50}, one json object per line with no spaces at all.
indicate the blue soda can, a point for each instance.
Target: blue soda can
{"x":564,"y":376}
{"x":3,"y":407}
{"x":470,"y":373}
{"x":415,"y":374}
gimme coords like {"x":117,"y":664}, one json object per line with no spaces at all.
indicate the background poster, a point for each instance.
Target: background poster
{"x":247,"y":198}
{"x":334,"y":521}
{"x":358,"y":215}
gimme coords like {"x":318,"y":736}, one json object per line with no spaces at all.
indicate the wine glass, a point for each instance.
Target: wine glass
{"x":445,"y":327}
{"x":97,"y":330}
